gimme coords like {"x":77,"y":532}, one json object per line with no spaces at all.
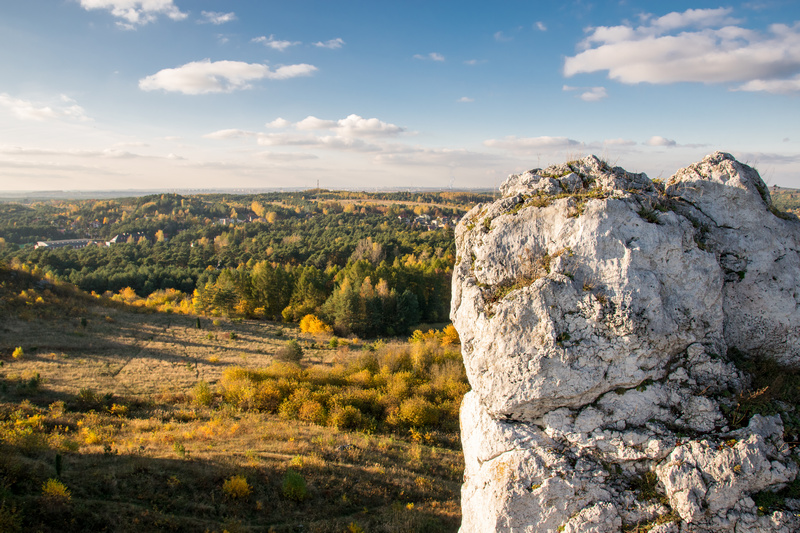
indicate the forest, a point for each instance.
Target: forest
{"x":366,"y":264}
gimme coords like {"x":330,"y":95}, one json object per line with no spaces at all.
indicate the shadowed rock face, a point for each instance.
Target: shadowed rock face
{"x":596,"y":310}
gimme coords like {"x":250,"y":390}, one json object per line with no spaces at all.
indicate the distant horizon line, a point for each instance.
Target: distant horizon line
{"x":88,"y":193}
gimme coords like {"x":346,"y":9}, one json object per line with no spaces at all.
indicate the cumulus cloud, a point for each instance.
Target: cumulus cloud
{"x":136,"y":12}
{"x":512,"y":142}
{"x":278,"y":123}
{"x":275,"y":44}
{"x":215,"y":17}
{"x":697,"y":45}
{"x":465,"y":100}
{"x":658,"y":140}
{"x":350,"y":126}
{"x":314,"y":123}
{"x":347,"y":134}
{"x":202,"y":77}
{"x":333,"y":44}
{"x":540,"y":26}
{"x":433,"y":56}
{"x":354,"y":125}
{"x":67,"y":108}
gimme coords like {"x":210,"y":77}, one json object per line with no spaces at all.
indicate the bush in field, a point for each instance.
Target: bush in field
{"x":294,"y":486}
{"x":250,"y":390}
{"x":55,"y":492}
{"x":312,"y":411}
{"x":201,"y":394}
{"x":291,"y":352}
{"x":418,"y":412}
{"x":312,"y":324}
{"x":236,"y":487}
{"x":347,"y":417}
{"x":396,"y":387}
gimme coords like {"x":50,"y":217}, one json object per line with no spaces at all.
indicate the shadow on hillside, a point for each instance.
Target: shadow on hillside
{"x":138,"y":491}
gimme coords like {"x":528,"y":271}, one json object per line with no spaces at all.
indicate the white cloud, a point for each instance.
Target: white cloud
{"x":697,"y":18}
{"x":332,"y":142}
{"x":473,"y":62}
{"x":433,"y":56}
{"x":136,"y":12}
{"x":697,"y":45}
{"x":465,"y":100}
{"x":658,"y":140}
{"x":314,"y":123}
{"x":502,"y":37}
{"x":202,"y":77}
{"x":278,"y":123}
{"x":351,"y":126}
{"x":354,"y":125}
{"x":215,"y":17}
{"x":588,"y":94}
{"x":347,"y":134}
{"x":275,"y":44}
{"x":333,"y":44}
{"x":772,"y":86}
{"x":28,"y":110}
{"x":229,"y":134}
{"x":512,"y":142}
{"x":540,"y":26}
{"x":594,"y":94}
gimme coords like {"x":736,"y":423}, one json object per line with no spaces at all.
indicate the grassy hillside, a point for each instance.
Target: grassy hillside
{"x":116,"y":420}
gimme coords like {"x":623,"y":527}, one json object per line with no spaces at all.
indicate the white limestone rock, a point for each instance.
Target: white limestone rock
{"x":596,"y":311}
{"x":710,"y":477}
{"x":600,"y":301}
{"x":759,"y":254}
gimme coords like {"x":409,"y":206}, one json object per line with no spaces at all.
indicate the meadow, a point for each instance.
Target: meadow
{"x":117,"y":418}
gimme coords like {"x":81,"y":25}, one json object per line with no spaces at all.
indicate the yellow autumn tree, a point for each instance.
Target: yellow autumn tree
{"x":312,"y":324}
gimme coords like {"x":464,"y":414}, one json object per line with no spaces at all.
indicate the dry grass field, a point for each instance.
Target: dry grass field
{"x":118,"y":420}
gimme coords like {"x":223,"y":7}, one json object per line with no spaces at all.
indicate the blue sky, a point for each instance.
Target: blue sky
{"x":142,"y":94}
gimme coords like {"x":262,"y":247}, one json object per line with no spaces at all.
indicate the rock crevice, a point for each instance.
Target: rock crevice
{"x":597,"y":311}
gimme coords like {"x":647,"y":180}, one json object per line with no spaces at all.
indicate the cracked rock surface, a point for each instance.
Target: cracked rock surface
{"x":599,"y":314}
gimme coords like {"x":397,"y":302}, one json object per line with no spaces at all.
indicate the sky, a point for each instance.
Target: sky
{"x":365,"y":94}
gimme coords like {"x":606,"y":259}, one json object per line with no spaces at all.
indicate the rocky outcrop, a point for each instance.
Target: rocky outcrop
{"x":607,"y":322}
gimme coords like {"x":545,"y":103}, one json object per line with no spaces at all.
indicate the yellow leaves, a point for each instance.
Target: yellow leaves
{"x":312,"y":324}
{"x":55,"y":491}
{"x":236,"y":487}
{"x":446,"y":337}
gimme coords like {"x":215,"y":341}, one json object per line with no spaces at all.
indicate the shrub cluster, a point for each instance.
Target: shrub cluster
{"x":397,"y":387}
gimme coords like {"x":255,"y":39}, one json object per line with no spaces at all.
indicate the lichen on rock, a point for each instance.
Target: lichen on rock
{"x":597,"y":310}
